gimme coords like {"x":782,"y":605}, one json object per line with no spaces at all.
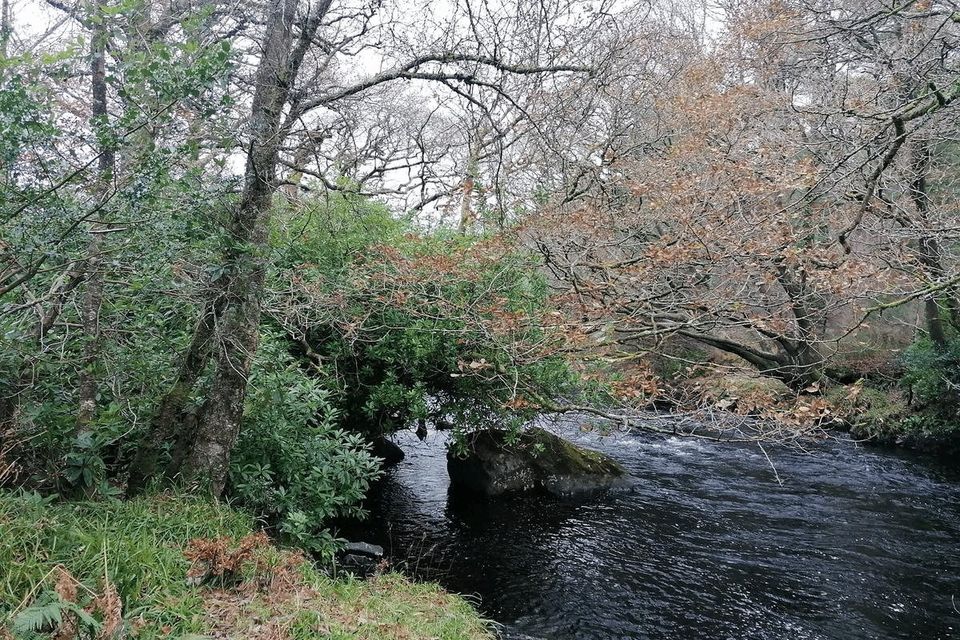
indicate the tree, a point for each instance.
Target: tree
{"x":282,"y":101}
{"x":97,"y":228}
{"x":65,"y":193}
{"x":744,"y":206}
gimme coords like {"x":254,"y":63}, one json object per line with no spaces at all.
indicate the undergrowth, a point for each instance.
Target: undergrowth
{"x":178,"y":566}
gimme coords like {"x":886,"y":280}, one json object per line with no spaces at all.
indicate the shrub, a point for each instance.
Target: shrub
{"x":931,"y":382}
{"x":404,"y":327}
{"x":292,"y":465}
{"x":932,"y":376}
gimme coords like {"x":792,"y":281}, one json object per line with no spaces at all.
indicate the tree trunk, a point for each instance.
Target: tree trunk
{"x":300,"y":158}
{"x":208,"y":459}
{"x":468,"y":217}
{"x":93,"y":287}
{"x":6,"y":30}
{"x":167,"y":426}
{"x":802,"y":346}
{"x":930,"y":252}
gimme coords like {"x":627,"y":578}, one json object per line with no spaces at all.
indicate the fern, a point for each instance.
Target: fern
{"x":44,"y":614}
{"x":86,"y":620}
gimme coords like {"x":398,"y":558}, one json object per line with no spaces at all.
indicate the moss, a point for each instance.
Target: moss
{"x":556,"y":456}
{"x":883,"y":410}
{"x":384,"y":607}
{"x":867,"y":411}
{"x":883,"y":416}
{"x":741,"y":392}
{"x":725,"y":386}
{"x":680,"y":361}
{"x":867,"y":407}
{"x":138,"y":545}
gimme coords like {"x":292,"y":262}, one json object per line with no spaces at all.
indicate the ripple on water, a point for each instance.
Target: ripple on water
{"x":705,"y":544}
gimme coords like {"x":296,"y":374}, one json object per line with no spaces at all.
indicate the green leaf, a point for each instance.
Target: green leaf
{"x":38,"y":617}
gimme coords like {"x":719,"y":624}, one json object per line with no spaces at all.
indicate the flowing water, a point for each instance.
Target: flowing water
{"x":855,"y":543}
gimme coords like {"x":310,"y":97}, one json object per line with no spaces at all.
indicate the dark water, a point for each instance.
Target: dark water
{"x":856,"y":543}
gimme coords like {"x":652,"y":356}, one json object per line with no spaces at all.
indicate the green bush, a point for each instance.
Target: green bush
{"x":369,"y":327}
{"x":292,"y":465}
{"x":405,"y":327}
{"x":932,"y":380}
{"x":932,"y":375}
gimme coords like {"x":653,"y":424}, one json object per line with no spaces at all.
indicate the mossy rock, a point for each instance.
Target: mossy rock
{"x":498,"y":462}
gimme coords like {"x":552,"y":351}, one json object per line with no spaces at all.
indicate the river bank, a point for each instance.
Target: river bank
{"x":176,"y":566}
{"x":871,"y":412}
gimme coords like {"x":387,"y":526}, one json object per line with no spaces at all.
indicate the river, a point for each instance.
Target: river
{"x":849,"y":543}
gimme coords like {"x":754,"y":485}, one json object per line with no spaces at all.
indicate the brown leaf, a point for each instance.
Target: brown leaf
{"x":66,"y":588}
{"x":111,"y":608}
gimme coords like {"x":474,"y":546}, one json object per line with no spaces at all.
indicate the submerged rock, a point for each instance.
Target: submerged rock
{"x":508,"y":634}
{"x":388,"y":450}
{"x":364,"y":549}
{"x":536,"y":460}
{"x":360,"y":558}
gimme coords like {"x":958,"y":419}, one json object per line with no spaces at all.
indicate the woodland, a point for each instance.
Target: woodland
{"x":241,"y":244}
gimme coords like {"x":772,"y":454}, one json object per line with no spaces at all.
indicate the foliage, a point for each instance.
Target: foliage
{"x":886,"y":415}
{"x":403,"y":327}
{"x":166,"y":224}
{"x":408,"y":328}
{"x":932,"y":377}
{"x":25,"y":120}
{"x":51,"y":611}
{"x":292,"y":465}
{"x":147,"y":318}
{"x":932,"y":374}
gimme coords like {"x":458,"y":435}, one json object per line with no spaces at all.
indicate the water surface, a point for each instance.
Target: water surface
{"x":855,"y":543}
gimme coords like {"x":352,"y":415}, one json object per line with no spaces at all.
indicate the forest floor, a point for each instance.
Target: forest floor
{"x":175,"y":566}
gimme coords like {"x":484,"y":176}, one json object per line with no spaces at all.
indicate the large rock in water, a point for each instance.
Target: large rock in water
{"x":388,"y":450}
{"x":536,"y":461}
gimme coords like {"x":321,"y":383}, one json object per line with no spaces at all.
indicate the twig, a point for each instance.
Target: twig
{"x":770,"y":462}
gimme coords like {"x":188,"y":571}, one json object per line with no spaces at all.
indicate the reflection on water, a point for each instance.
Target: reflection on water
{"x":706,"y":544}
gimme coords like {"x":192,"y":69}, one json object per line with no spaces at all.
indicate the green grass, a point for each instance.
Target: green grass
{"x":139,"y":545}
{"x":388,"y":606}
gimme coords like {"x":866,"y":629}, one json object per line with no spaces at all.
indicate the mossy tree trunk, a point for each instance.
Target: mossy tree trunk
{"x":930,"y":253}
{"x":237,"y":296}
{"x":97,"y":231}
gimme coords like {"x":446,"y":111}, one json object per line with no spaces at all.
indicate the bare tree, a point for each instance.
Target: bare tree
{"x":781,"y":196}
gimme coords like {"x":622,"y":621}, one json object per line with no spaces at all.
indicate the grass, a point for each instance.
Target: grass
{"x":387,"y":606}
{"x":84,"y":551}
{"x":138,"y":544}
